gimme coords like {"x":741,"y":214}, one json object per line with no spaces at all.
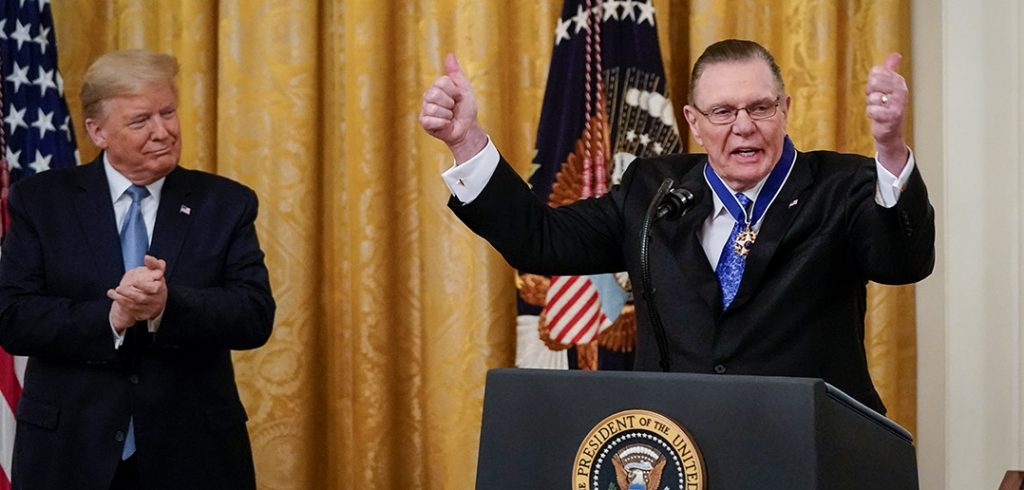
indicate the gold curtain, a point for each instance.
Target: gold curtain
{"x":389,"y":310}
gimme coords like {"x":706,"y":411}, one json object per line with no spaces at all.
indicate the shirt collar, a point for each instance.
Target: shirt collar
{"x":750,"y":193}
{"x":118,"y":183}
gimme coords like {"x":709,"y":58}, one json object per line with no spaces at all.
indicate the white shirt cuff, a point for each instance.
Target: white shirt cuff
{"x":118,"y":337}
{"x":889,"y":187}
{"x":467,"y":180}
{"x":153,"y":325}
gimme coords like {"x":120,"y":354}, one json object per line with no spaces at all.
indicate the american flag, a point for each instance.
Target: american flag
{"x":605,"y":104}
{"x":36,"y":135}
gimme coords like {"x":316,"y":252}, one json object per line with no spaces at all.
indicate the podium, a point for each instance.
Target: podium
{"x":544,"y":429}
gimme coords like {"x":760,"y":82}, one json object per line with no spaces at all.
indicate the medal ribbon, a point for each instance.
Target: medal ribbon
{"x":771,"y":188}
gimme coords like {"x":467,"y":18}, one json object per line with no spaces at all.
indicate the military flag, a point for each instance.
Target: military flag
{"x":605,"y":104}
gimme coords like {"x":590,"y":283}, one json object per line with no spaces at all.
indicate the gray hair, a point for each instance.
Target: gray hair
{"x":733,"y":50}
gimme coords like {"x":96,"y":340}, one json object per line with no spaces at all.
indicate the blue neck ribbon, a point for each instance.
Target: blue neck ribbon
{"x":764,"y":198}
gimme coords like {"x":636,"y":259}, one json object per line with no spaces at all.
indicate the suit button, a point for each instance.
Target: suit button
{"x":119,"y":436}
{"x":720,"y":369}
{"x":133,"y":379}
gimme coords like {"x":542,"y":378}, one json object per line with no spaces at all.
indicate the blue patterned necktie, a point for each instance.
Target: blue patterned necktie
{"x":134,"y":242}
{"x":731,"y":263}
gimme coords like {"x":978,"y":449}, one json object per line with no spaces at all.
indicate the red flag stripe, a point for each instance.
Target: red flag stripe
{"x":590,"y":300}
{"x":560,"y":285}
{"x":593,"y":326}
{"x":558,"y":325}
{"x":562,"y":305}
{"x":9,"y":384}
{"x":592,"y":323}
{"x":566,"y":328}
{"x":579,"y":311}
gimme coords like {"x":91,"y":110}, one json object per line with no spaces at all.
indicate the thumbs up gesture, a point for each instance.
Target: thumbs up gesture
{"x":448,"y":113}
{"x":887,"y":97}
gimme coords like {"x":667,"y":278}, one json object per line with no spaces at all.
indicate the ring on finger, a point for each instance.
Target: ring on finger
{"x":885,"y":99}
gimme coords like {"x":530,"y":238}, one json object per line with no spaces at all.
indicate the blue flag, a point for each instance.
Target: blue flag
{"x":640,"y":114}
{"x":606,"y":62}
{"x":37,"y":126}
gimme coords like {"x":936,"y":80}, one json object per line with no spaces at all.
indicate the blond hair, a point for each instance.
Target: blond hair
{"x":127,"y":72}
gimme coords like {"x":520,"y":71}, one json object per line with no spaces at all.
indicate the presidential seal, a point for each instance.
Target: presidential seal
{"x":638,"y":450}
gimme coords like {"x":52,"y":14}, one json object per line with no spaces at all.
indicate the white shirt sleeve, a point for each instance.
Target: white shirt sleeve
{"x":889,"y":187}
{"x":118,"y":337}
{"x":153,"y":324}
{"x":467,"y":180}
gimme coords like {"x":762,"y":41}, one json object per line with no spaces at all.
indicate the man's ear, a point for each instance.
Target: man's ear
{"x":96,"y":133}
{"x":691,"y":115}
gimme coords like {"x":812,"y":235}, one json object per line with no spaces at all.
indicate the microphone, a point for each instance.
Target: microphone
{"x":678,"y":200}
{"x":670,"y":201}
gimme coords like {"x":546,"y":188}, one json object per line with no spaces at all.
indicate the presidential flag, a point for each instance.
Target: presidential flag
{"x":605,"y":104}
{"x":36,"y":136}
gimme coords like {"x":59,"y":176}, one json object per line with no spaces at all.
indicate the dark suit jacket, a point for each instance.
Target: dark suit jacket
{"x":800,"y":307}
{"x":61,"y":255}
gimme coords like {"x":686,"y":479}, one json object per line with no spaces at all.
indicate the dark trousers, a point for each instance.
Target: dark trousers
{"x":127,"y":475}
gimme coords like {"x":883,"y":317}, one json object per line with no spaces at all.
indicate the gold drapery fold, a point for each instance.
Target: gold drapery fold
{"x":389,"y":310}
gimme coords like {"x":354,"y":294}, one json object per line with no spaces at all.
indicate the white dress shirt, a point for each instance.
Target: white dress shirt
{"x":468,"y":180}
{"x":118,"y":185}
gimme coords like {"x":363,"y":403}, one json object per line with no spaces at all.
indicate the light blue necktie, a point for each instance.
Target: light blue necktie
{"x":730,"y":263}
{"x":134,"y":239}
{"x":134,"y":242}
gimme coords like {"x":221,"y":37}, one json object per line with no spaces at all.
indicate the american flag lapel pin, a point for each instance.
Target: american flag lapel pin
{"x":185,"y":210}
{"x":791,"y":204}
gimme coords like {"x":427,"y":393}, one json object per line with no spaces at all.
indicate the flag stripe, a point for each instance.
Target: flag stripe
{"x":566,"y":327}
{"x":592,"y":323}
{"x":580,"y":310}
{"x":564,"y":296}
{"x":9,"y":384}
{"x":561,"y":286}
{"x":7,"y":425}
{"x":568,"y":306}
{"x":595,"y":322}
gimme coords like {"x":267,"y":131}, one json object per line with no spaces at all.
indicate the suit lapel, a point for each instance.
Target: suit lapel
{"x":178,"y":200}
{"x":777,"y":221}
{"x":682,"y":239}
{"x":95,"y":212}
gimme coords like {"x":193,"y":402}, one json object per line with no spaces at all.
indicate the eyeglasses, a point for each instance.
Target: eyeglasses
{"x":757,"y":111}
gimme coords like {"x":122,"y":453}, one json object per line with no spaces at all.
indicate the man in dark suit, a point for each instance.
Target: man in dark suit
{"x":127,"y":282}
{"x":767,"y":274}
